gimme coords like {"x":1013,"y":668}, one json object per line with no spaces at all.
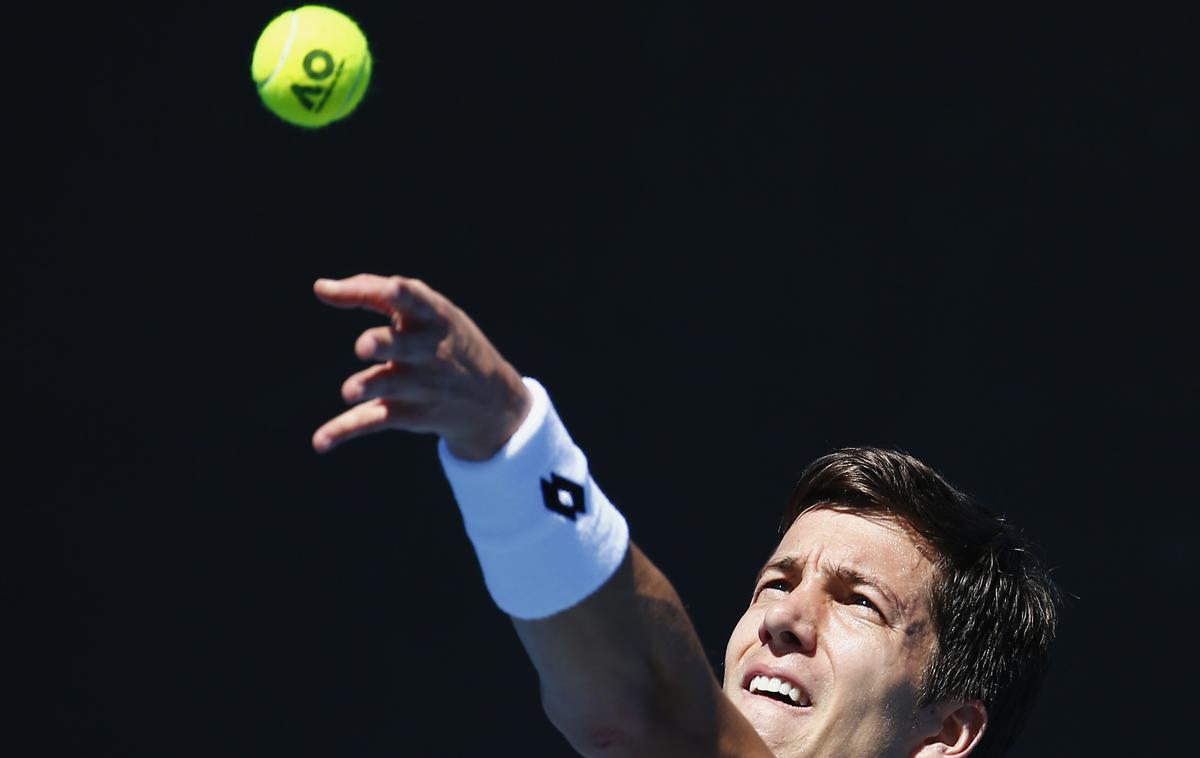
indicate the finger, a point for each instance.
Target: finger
{"x":389,"y":381}
{"x":382,"y":294}
{"x":383,"y":343}
{"x":365,"y":418}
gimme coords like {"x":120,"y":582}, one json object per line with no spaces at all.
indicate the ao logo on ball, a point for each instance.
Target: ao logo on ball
{"x":318,"y":66}
{"x":311,"y":66}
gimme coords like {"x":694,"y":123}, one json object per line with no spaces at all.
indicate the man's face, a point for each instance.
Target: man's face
{"x":841,"y":612}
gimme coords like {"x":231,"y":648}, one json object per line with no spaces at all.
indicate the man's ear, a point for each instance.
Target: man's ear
{"x":961,"y":730}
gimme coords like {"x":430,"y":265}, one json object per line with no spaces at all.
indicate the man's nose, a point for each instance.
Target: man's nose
{"x":790,"y":625}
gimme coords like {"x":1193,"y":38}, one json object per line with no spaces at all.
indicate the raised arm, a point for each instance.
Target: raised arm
{"x":623,"y":673}
{"x":621,"y":669}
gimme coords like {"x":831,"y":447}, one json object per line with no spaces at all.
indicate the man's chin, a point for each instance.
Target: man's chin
{"x":783,"y":727}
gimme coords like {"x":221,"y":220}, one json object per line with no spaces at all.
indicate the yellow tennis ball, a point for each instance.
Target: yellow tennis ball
{"x":311,"y":65}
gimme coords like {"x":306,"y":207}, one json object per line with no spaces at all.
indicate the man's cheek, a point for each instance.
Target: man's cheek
{"x":744,"y":635}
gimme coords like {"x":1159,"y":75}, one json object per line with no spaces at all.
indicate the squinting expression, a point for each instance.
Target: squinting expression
{"x":828,"y":657}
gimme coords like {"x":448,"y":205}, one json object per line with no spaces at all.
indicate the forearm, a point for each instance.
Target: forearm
{"x":623,"y":673}
{"x":621,"y":669}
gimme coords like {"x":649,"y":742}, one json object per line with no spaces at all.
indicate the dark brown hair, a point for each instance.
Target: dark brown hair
{"x":994,"y":606}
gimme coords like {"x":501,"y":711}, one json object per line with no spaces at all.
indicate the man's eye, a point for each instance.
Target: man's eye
{"x":781,"y":585}
{"x":865,"y":602}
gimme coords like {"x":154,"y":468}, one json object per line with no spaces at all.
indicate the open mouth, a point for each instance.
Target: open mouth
{"x":778,"y":688}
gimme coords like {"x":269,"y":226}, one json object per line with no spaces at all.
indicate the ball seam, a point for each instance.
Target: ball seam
{"x":362,"y":67}
{"x":287,"y":48}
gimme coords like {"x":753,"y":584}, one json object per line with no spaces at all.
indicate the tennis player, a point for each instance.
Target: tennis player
{"x":896,"y":616}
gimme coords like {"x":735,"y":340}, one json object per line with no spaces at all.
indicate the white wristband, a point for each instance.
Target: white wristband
{"x":545,"y":534}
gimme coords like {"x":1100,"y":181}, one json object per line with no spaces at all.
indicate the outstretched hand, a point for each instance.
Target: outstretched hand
{"x":433,"y":371}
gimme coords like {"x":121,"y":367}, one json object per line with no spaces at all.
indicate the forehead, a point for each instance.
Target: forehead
{"x":875,"y":545}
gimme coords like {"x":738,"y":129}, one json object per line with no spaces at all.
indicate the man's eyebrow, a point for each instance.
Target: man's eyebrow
{"x":783,"y":565}
{"x":847,"y":574}
{"x":854,"y":577}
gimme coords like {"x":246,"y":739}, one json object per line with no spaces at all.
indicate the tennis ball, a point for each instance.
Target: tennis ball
{"x":311,"y":65}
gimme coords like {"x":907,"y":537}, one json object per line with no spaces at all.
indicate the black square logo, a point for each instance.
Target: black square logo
{"x":563,"y":496}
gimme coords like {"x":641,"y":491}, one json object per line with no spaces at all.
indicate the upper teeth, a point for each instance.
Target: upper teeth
{"x":762,"y":683}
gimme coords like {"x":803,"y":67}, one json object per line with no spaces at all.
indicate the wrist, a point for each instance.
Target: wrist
{"x":545,"y":534}
{"x":482,"y":441}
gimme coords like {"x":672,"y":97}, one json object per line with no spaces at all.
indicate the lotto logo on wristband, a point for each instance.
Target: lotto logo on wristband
{"x":563,"y":496}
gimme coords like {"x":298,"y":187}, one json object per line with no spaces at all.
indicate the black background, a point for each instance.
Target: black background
{"x":727,"y":238}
